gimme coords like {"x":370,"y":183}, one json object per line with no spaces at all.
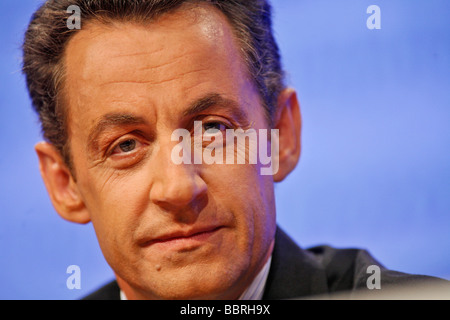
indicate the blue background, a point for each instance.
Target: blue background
{"x":375,"y":165}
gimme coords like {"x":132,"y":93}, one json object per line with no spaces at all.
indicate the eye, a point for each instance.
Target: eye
{"x":126,"y":146}
{"x":214,"y":127}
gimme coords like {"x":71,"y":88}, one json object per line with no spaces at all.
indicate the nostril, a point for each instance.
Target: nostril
{"x":178,"y":191}
{"x":184,"y":207}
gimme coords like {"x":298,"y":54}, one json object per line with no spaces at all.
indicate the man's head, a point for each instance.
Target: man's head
{"x":110,"y":95}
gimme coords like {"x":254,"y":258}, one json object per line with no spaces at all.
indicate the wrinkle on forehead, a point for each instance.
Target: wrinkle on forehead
{"x":205,"y":18}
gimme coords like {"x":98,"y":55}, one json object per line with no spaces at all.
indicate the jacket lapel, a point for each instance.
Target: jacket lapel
{"x":294,"y":273}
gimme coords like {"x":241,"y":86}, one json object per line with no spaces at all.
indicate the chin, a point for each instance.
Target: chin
{"x":210,"y":283}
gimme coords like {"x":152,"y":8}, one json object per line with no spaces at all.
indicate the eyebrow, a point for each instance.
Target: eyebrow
{"x":218,"y":101}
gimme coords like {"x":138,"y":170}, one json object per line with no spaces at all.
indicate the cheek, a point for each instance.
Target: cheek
{"x":108,"y":189}
{"x":247,"y":194}
{"x":115,"y":201}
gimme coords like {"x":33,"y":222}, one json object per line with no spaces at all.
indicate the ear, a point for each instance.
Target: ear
{"x":60,"y":184}
{"x":289,"y":124}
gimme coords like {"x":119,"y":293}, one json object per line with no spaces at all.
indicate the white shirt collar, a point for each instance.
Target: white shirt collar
{"x":256,"y":289}
{"x":254,"y":292}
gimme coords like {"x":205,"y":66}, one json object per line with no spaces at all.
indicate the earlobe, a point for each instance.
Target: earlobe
{"x":289,"y":124}
{"x":61,"y":186}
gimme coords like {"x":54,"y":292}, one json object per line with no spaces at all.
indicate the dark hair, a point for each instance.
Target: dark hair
{"x":47,"y":36}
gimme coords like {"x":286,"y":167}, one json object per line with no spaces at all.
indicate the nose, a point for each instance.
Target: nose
{"x":177,"y":188}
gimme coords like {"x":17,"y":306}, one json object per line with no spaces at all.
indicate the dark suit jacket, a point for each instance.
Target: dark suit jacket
{"x":321,"y":272}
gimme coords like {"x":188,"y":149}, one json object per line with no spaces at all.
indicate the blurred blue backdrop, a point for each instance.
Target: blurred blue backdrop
{"x":375,"y":165}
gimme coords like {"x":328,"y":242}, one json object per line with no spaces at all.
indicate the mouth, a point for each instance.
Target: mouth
{"x":180,"y":239}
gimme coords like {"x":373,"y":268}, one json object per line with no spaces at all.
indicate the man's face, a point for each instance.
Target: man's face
{"x":170,"y":231}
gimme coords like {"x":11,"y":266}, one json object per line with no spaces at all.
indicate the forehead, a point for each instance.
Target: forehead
{"x":165,"y":62}
{"x":155,"y":44}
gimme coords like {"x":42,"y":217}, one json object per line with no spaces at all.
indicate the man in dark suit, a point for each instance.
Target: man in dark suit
{"x":175,"y":220}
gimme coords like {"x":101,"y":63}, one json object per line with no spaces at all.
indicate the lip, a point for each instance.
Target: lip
{"x":182,"y":238}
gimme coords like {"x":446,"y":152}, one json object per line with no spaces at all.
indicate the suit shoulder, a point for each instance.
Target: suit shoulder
{"x":351,"y":269}
{"x":342,"y":266}
{"x":110,"y":291}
